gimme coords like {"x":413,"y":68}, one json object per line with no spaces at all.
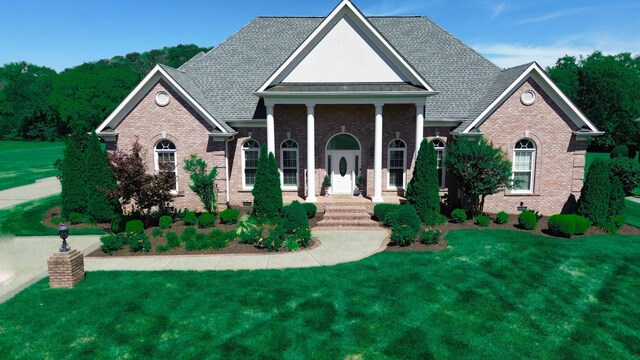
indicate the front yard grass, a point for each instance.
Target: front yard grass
{"x":492,"y":294}
{"x":26,"y":219}
{"x":632,"y":212}
{"x":25,"y":162}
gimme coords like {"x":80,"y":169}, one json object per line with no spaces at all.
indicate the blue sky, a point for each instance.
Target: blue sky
{"x":65,"y":33}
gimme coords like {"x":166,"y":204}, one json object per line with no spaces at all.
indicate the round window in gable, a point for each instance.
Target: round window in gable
{"x":528,"y":97}
{"x":162,"y":98}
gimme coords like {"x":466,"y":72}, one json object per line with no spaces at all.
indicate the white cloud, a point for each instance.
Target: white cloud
{"x":498,"y":9}
{"x":394,"y":8}
{"x":555,"y":14}
{"x":507,"y":55}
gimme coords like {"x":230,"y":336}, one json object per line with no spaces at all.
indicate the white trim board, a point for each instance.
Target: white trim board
{"x":134,"y":97}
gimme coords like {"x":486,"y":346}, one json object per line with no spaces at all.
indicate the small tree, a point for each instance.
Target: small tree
{"x":74,"y":191}
{"x":423,"y":191}
{"x":101,"y":182}
{"x":616,"y":198}
{"x":135,"y":187}
{"x":203,"y":183}
{"x":479,"y":169}
{"x":267,"y":194}
{"x":594,"y":196}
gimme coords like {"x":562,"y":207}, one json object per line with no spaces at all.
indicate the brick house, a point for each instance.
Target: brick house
{"x":347,"y":96}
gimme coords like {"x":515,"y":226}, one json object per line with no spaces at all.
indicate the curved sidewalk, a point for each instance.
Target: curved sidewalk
{"x":17,"y":195}
{"x":335,"y":247}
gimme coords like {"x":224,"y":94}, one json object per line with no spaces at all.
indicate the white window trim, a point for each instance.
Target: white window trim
{"x":404,"y":165}
{"x":533,"y":167}
{"x":242,"y":157}
{"x":157,"y":164}
{"x":297,"y":157}
{"x":444,"y":167}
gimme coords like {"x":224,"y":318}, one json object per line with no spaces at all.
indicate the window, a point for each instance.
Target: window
{"x":165,"y":158}
{"x":396,"y":164}
{"x":289,"y":164}
{"x":250,"y":155}
{"x":524,"y":155}
{"x":438,"y":145}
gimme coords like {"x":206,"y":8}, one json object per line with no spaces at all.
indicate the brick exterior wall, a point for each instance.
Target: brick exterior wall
{"x":66,"y":269}
{"x":181,"y":124}
{"x":559,"y":160}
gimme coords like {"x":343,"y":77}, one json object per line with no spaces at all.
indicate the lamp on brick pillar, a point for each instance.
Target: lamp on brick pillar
{"x":63,"y":230}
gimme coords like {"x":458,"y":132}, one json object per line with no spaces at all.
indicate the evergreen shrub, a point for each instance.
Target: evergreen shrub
{"x":229,"y":216}
{"x":189,"y":218}
{"x":217,"y":239}
{"x":458,"y":216}
{"x":156,"y":232}
{"x":627,"y":171}
{"x":528,"y":220}
{"x":311,"y":210}
{"x":295,"y":217}
{"x":173,"y":240}
{"x":206,"y":220}
{"x":562,"y":225}
{"x":502,"y":218}
{"x":582,"y":224}
{"x":165,"y":222}
{"x":76,"y":218}
{"x":380,"y":210}
{"x":100,"y":182}
{"x":292,"y":244}
{"x":619,"y":151}
{"x":111,"y":243}
{"x":139,"y":242}
{"x":304,"y":235}
{"x":74,"y":190}
{"x":403,"y":235}
{"x":134,"y":227}
{"x":423,"y":191}
{"x":482,"y":220}
{"x":267,"y":193}
{"x":188,"y":233}
{"x":251,"y":235}
{"x":430,"y":237}
{"x":594,"y":196}
{"x":406,"y":215}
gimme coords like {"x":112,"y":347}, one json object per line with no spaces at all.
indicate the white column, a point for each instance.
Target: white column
{"x":419,"y":126}
{"x":271,"y":137}
{"x":311,"y":155}
{"x":377,"y":162}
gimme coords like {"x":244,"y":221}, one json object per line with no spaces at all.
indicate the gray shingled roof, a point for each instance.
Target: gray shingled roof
{"x":223,"y":80}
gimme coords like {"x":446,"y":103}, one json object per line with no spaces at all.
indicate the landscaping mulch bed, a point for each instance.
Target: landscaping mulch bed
{"x":541,"y":229}
{"x":233,"y":247}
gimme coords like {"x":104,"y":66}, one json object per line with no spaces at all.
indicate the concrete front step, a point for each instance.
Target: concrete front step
{"x":333,"y":223}
{"x":347,"y":216}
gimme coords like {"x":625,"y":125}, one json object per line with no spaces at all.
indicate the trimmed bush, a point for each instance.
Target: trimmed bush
{"x":229,"y":216}
{"x":458,"y":216}
{"x":562,"y":225}
{"x":165,"y":222}
{"x":430,"y":237}
{"x":423,"y":191}
{"x":206,"y":220}
{"x":619,"y":151}
{"x":100,"y":182}
{"x":310,"y":209}
{"x":188,"y":234}
{"x":134,"y":227}
{"x":582,"y":224}
{"x":292,"y":244}
{"x":594,"y":196}
{"x":139,"y":243}
{"x":403,"y":235}
{"x":267,"y":192}
{"x":405,"y":215}
{"x":528,"y":220}
{"x":189,"y":218}
{"x":295,"y":217}
{"x":502,"y":218}
{"x":441,"y":219}
{"x":156,"y":232}
{"x":380,"y":210}
{"x":197,"y":242}
{"x":111,"y":243}
{"x":482,"y":220}
{"x":217,"y":239}
{"x":173,"y":240}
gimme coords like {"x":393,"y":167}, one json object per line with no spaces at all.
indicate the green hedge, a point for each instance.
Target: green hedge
{"x":311,"y":210}
{"x":134,"y":227}
{"x":380,"y":210}
{"x":528,"y":220}
{"x":229,"y":216}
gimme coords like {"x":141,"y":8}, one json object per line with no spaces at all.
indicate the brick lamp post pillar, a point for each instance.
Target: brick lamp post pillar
{"x":66,"y":267}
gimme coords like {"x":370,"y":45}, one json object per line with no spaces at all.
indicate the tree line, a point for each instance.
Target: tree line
{"x":37,"y":103}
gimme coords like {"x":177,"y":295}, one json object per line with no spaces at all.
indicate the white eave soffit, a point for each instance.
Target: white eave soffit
{"x":543,"y":80}
{"x":346,"y":17}
{"x":152,"y":78}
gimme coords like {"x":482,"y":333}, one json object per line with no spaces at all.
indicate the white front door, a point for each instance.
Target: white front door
{"x":343,"y":170}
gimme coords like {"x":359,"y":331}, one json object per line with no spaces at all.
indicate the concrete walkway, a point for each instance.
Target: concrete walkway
{"x":23,"y":260}
{"x":41,"y":188}
{"x":335,"y":247}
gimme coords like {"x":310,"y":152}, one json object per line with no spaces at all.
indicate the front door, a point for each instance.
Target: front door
{"x":343,"y":170}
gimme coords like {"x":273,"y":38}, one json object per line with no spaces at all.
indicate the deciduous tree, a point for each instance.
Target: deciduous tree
{"x":203,"y":182}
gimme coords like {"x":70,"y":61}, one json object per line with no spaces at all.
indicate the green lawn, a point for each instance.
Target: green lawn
{"x":26,"y":219}
{"x":491,"y":295}
{"x":632,"y":212}
{"x":25,"y":162}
